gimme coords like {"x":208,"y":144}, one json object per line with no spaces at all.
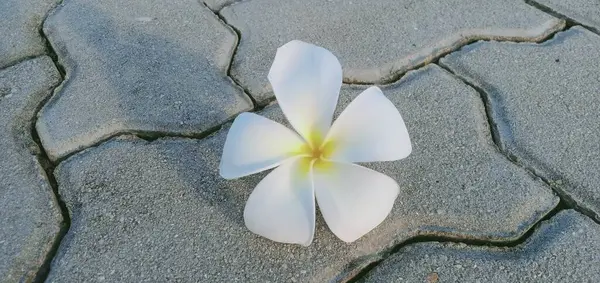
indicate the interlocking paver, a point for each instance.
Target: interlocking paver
{"x":159,"y":210}
{"x":20,"y":22}
{"x":545,"y":101}
{"x":565,"y":248}
{"x":30,"y":218}
{"x":586,"y":12}
{"x":133,"y":66}
{"x":374,"y":40}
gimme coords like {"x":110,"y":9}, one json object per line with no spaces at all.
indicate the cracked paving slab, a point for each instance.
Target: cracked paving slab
{"x":545,"y":100}
{"x":20,"y":21}
{"x":30,"y":219}
{"x":149,"y":66}
{"x":565,"y":248}
{"x":586,"y":12}
{"x":375,"y":41}
{"x":159,"y":210}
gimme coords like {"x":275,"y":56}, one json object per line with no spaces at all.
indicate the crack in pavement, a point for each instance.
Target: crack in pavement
{"x":570,"y":21}
{"x":45,"y":162}
{"x":378,"y":258}
{"x":489,"y":109}
{"x":148,"y":136}
{"x":21,"y":60}
{"x":226,"y":4}
{"x":468,"y":39}
{"x":238,"y":37}
{"x":48,"y":167}
{"x":490,"y":105}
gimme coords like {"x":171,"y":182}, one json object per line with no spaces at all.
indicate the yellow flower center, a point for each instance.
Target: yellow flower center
{"x":318,"y":152}
{"x":316,"y":147}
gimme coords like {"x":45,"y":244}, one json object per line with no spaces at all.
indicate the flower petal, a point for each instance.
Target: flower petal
{"x":306,"y":80}
{"x":369,"y":129}
{"x":282,"y":206}
{"x":352,"y":198}
{"x":254,"y":144}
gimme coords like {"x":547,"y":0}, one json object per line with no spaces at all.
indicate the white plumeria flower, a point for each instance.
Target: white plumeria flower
{"x":317,"y":159}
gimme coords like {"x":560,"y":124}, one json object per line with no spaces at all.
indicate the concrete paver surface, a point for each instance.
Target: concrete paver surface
{"x":114,"y":114}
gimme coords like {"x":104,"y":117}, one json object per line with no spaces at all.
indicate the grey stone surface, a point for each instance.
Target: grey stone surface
{"x":20,"y":22}
{"x":565,"y":248}
{"x":133,"y":66}
{"x":545,"y":100}
{"x":586,"y":12}
{"x":159,"y":211}
{"x":217,"y":5}
{"x":30,"y":218}
{"x":375,"y":41}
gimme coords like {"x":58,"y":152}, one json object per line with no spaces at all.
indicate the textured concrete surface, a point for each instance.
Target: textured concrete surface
{"x":29,"y":215}
{"x":137,"y":66}
{"x":586,"y":12}
{"x":159,"y":211}
{"x":565,"y":248}
{"x":20,"y":23}
{"x":374,"y":41}
{"x":156,"y":210}
{"x":546,"y":100}
{"x":217,"y":5}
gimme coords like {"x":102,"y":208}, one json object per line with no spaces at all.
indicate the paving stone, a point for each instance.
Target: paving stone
{"x":20,"y":22}
{"x":30,"y":218}
{"x":587,"y":12}
{"x":565,"y":248}
{"x":374,"y":41}
{"x":545,"y":100}
{"x":159,"y":210}
{"x":132,"y":66}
